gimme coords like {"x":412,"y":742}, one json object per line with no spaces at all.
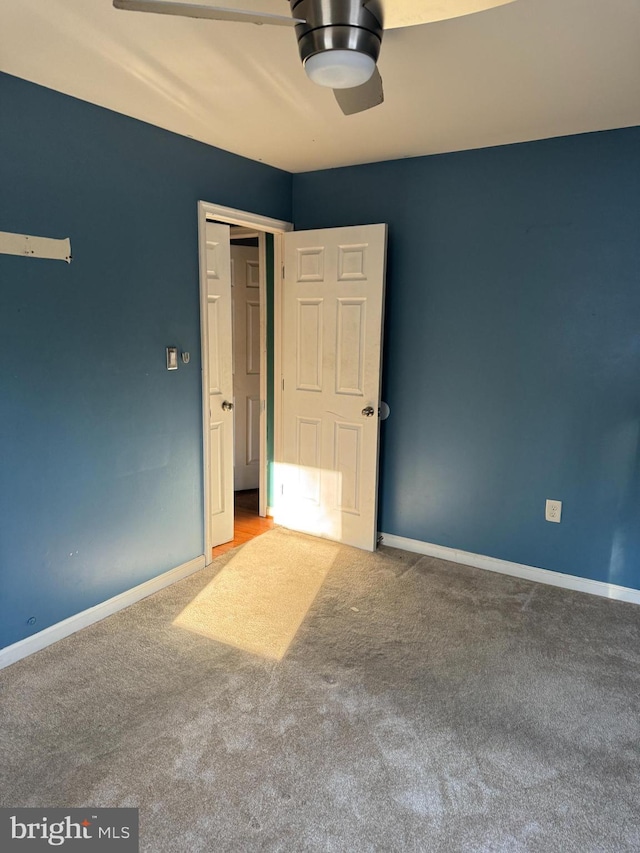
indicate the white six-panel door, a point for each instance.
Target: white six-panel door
{"x":333,"y":300}
{"x":245,"y":286}
{"x":218,"y":349}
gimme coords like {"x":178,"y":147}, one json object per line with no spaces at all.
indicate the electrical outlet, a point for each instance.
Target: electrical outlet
{"x":553,"y":511}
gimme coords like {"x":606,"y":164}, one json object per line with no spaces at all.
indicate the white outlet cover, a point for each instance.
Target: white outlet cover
{"x":553,"y":511}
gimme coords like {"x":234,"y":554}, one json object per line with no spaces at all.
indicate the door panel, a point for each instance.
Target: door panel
{"x":218,"y":331}
{"x":333,"y":299}
{"x":246,"y":377}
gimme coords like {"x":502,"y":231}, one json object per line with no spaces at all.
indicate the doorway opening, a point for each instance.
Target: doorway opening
{"x":247,"y":316}
{"x":248,"y":306}
{"x":238,"y":392}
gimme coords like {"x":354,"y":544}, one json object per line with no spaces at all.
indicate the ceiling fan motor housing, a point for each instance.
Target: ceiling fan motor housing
{"x":337,"y":25}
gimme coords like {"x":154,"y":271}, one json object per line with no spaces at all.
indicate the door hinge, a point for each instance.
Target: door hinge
{"x":283,"y":383}
{"x":282,"y":270}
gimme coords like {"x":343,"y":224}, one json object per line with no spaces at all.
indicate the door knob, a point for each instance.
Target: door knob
{"x":227,"y":406}
{"x":369,"y":412}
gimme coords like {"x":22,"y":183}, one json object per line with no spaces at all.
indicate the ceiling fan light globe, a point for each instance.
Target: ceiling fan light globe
{"x":339,"y":69}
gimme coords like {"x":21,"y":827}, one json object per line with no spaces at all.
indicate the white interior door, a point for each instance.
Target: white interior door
{"x":333,"y":299}
{"x":245,"y":284}
{"x":218,"y":347}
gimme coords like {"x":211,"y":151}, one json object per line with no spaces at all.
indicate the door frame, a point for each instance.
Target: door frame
{"x":264,"y":225}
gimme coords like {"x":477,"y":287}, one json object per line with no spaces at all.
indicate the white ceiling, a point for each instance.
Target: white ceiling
{"x":530,"y":69}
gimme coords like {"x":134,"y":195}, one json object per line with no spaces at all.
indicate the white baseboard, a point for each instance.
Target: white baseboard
{"x":518,"y":570}
{"x":19,"y":650}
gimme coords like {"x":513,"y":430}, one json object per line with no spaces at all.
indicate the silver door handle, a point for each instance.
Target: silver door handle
{"x":369,"y":412}
{"x":227,"y":406}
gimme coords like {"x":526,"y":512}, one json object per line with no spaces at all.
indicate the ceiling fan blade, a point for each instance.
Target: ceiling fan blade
{"x":410,"y":13}
{"x":361,"y":98}
{"x":212,"y":13}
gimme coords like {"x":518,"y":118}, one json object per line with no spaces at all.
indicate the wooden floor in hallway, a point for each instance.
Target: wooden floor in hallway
{"x":247,"y":524}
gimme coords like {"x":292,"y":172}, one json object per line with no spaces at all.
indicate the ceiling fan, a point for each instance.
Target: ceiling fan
{"x":338,"y":40}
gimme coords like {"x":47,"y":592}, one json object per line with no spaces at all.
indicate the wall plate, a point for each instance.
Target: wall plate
{"x":553,"y":511}
{"x":172,"y":358}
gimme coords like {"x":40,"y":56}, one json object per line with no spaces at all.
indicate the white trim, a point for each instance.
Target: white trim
{"x":262,"y":274}
{"x":204,"y":360}
{"x":19,"y":650}
{"x":518,"y":570}
{"x":241,"y":217}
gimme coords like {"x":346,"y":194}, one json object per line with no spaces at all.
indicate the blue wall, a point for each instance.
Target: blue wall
{"x":512,"y":362}
{"x":101,"y":473}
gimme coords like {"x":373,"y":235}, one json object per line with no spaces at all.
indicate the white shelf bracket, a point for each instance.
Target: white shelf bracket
{"x":35,"y":247}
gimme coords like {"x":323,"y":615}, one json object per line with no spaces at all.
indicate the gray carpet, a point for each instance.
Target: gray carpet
{"x":451,"y":710}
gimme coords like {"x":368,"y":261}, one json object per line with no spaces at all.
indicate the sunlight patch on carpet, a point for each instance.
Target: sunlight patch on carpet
{"x":259,"y":599}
